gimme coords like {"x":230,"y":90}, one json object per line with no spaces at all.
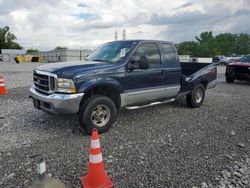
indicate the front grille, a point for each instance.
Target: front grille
{"x":43,"y":82}
{"x":242,"y":70}
{"x":229,"y":69}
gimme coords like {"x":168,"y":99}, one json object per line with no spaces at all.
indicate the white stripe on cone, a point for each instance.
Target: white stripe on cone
{"x":95,"y":144}
{"x":41,"y":168}
{"x":1,"y":84}
{"x":1,"y":80}
{"x":95,"y":158}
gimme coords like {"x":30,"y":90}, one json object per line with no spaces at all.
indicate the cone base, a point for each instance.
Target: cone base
{"x":3,"y":90}
{"x":84,"y":181}
{"x":3,"y":93}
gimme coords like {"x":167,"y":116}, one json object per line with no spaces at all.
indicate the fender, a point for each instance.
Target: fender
{"x":199,"y":80}
{"x":89,"y":84}
{"x":195,"y":79}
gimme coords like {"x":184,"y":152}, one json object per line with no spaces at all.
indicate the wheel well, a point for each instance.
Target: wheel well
{"x":204,"y":83}
{"x":108,"y":91}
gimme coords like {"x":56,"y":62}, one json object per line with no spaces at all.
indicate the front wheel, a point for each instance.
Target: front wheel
{"x":196,"y":97}
{"x":99,"y":113}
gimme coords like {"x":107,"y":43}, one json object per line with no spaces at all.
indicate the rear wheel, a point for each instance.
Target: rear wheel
{"x":196,"y":97}
{"x":97,"y":112}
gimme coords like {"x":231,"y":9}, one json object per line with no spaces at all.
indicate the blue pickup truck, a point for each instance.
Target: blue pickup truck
{"x":121,"y":74}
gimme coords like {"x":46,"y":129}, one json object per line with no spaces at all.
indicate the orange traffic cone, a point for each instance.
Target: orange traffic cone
{"x":3,"y":90}
{"x":96,"y":177}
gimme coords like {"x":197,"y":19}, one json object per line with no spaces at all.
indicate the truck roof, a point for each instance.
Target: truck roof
{"x":144,"y":40}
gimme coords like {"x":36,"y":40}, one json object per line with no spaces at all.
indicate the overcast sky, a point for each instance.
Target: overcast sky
{"x":45,"y":24}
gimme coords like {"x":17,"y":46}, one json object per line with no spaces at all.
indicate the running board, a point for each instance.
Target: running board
{"x":151,"y":104}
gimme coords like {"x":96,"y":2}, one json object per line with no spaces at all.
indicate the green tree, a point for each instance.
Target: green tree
{"x":60,"y":48}
{"x":7,"y":39}
{"x":31,"y":51}
{"x":208,"y":45}
{"x":242,"y":44}
{"x":187,"y":48}
{"x":226,"y":43}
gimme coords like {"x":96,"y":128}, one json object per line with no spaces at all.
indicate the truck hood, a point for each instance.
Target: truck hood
{"x":71,"y":69}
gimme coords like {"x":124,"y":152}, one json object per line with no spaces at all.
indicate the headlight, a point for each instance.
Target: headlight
{"x":65,"y":85}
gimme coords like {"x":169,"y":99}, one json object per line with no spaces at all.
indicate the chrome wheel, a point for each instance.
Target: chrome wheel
{"x":100,"y":115}
{"x":198,"y":95}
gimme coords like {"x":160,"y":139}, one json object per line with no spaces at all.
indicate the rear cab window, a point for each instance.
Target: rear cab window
{"x":169,"y":54}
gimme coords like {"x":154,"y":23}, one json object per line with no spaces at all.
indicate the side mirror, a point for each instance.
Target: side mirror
{"x":143,"y":63}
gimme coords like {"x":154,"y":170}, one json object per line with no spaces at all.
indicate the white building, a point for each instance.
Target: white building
{"x":188,"y":58}
{"x":63,"y":55}
{"x":184,"y":58}
{"x":10,"y":54}
{"x":202,"y":59}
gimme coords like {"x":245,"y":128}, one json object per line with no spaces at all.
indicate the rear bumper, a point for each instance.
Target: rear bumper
{"x":238,"y":76}
{"x":242,"y":76}
{"x":57,"y":103}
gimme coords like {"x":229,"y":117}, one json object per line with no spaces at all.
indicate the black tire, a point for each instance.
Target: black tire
{"x":87,"y":109}
{"x":191,"y":98}
{"x":229,"y":79}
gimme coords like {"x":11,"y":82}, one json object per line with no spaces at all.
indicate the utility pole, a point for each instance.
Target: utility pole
{"x":124,"y":34}
{"x":81,"y":50}
{"x":116,"y":35}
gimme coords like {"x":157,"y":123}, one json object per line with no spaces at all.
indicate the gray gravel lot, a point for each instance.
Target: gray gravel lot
{"x":169,"y":145}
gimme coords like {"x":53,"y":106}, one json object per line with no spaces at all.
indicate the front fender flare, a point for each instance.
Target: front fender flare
{"x":90,"y":84}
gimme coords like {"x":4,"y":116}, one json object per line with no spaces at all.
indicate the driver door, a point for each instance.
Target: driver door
{"x":144,"y":85}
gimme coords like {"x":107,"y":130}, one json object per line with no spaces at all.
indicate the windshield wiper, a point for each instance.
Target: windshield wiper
{"x":98,"y":60}
{"x":106,"y":61}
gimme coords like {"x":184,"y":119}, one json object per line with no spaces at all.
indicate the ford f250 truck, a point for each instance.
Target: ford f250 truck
{"x":121,"y":74}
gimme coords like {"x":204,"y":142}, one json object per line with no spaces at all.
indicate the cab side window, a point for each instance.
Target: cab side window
{"x":169,"y":53}
{"x":150,"y":50}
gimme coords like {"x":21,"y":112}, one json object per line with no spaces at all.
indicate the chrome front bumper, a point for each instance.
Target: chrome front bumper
{"x":57,"y":103}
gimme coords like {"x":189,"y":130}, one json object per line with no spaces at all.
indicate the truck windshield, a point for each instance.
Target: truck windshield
{"x":245,"y":59}
{"x":112,"y":52}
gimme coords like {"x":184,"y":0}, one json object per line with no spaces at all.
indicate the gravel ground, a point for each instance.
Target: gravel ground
{"x":168,"y":145}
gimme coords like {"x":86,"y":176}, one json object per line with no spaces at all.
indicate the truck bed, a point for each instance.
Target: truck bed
{"x":194,"y":73}
{"x":188,"y":69}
